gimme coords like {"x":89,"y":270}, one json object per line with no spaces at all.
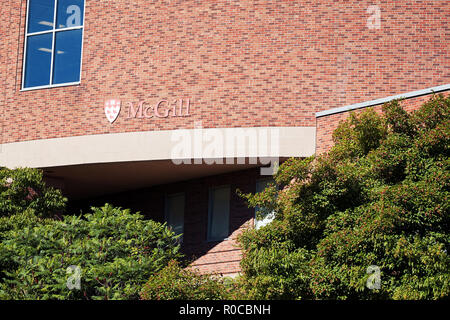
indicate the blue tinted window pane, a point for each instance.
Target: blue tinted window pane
{"x":38,"y":60}
{"x":67,"y":56}
{"x":69,"y":13}
{"x":40,"y":15}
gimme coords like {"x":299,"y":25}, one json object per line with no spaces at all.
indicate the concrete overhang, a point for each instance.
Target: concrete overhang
{"x":94,"y":165}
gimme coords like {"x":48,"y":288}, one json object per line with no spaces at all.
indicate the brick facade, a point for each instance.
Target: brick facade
{"x":241,"y":63}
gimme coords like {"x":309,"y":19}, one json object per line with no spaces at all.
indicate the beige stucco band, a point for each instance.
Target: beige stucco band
{"x":161,"y":145}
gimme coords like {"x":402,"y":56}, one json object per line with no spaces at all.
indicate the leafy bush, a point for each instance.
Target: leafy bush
{"x":176,"y":283}
{"x":116,"y":252}
{"x":380,"y":198}
{"x":24,"y":188}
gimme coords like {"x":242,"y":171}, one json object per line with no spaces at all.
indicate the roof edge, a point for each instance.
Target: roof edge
{"x":371,"y":103}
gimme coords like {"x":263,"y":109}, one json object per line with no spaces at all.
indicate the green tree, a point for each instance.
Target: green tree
{"x":24,"y":189}
{"x":379,"y":198}
{"x":113,"y":251}
{"x":177,"y":283}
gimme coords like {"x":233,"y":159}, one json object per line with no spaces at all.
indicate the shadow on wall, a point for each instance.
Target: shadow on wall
{"x":218,"y":257}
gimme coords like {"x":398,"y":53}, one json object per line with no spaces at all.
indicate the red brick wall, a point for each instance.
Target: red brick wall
{"x":221,"y":257}
{"x":327,"y":124}
{"x":243,"y":63}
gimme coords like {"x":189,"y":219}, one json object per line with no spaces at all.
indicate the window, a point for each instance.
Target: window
{"x":260,"y":186}
{"x":219,"y":213}
{"x":175,"y":212}
{"x":53,"y":43}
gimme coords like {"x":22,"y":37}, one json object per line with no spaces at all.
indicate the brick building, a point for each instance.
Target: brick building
{"x":167,"y":107}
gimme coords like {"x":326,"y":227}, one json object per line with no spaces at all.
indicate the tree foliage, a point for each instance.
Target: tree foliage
{"x":24,"y":189}
{"x":114,"y":250}
{"x":379,"y":198}
{"x":177,"y":283}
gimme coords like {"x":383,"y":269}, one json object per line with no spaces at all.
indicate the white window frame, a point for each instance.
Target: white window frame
{"x":210,"y":209}
{"x":53,"y":32}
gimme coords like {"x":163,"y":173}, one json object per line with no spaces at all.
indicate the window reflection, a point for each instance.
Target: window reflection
{"x":67,"y":57}
{"x":58,"y":45}
{"x":39,"y":56}
{"x":40,"y":15}
{"x":69,"y":13}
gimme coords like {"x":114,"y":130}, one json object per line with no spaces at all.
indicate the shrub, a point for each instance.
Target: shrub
{"x":176,"y":283}
{"x":115,"y":250}
{"x":24,"y":188}
{"x":380,"y":198}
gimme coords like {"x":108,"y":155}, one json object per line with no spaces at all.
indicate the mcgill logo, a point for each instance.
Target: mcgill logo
{"x":112,"y":109}
{"x":142,"y":110}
